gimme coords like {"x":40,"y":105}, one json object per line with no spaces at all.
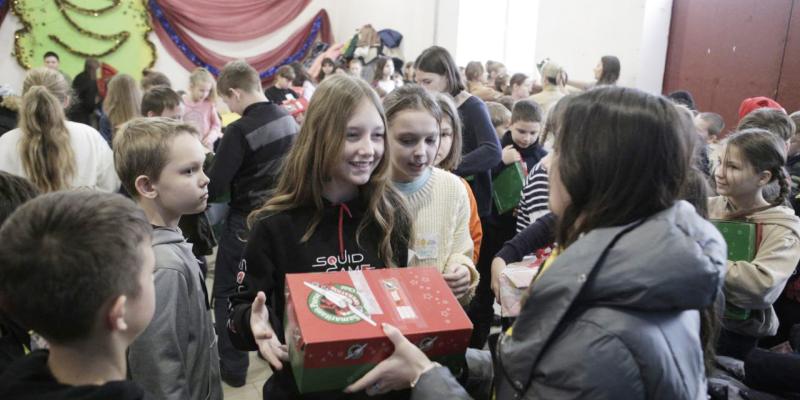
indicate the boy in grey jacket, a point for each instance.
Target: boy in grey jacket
{"x":161,"y":162}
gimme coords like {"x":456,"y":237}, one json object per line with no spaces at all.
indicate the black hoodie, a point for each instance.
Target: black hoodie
{"x":274,"y":249}
{"x":30,"y":378}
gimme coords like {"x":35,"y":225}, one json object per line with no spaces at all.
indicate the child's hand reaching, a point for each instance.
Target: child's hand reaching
{"x":511,"y":155}
{"x":268,"y":345}
{"x":498,"y":265}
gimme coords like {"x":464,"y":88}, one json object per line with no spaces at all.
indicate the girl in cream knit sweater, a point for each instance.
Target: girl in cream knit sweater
{"x":437,"y":200}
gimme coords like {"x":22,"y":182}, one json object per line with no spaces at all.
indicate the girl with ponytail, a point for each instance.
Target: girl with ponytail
{"x":53,"y":153}
{"x":750,"y":160}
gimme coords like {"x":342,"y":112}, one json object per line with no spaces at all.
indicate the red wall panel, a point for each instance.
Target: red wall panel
{"x":789,"y":85}
{"x":723,"y":51}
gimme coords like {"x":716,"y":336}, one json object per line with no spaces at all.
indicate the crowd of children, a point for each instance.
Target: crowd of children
{"x":105,"y":228}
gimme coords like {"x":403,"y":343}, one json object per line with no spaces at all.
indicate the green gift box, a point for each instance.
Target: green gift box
{"x":740,"y":238}
{"x":507,"y":188}
{"x":743,"y":239}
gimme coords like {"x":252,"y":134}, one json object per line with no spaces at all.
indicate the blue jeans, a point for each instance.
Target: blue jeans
{"x":232,"y":362}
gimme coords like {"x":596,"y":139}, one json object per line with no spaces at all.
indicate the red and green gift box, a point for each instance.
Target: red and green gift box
{"x":333,"y":322}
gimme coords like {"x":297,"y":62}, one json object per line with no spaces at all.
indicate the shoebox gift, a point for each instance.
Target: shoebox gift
{"x":333,"y":322}
{"x":514,"y":282}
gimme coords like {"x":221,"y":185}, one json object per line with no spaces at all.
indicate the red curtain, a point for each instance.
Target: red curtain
{"x":262,"y":62}
{"x":232,"y":20}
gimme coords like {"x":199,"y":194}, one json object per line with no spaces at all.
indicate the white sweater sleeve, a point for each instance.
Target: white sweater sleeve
{"x":107,"y":179}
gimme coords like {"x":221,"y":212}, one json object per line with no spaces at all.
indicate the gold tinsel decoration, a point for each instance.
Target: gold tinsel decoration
{"x":88,"y":11}
{"x":26,"y":27}
{"x":118,"y":38}
{"x":123,"y":36}
{"x":85,"y":54}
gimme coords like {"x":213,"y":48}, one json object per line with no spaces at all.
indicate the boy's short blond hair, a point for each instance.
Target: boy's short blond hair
{"x":142,"y":147}
{"x":499,"y":114}
{"x":238,"y":74}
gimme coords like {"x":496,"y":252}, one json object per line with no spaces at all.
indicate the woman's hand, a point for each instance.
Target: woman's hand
{"x":458,"y":279}
{"x":268,"y":344}
{"x":397,"y":372}
{"x":498,"y":265}
{"x":510,"y":155}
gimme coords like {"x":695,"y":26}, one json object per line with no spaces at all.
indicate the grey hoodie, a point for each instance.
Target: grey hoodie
{"x":631,"y":332}
{"x":176,"y":356}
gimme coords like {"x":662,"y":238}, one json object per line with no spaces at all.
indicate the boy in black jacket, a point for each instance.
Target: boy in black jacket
{"x":78,"y":270}
{"x":246,"y":166}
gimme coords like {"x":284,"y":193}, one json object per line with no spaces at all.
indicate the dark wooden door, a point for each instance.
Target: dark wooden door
{"x":724,"y":51}
{"x":789,"y":84}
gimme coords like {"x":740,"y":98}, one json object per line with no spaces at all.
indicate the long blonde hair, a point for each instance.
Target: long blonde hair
{"x":316,"y":151}
{"x":123,"y":101}
{"x":45,"y":148}
{"x":201,"y":75}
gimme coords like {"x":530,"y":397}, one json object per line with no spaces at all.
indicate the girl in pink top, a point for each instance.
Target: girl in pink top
{"x":200,"y":109}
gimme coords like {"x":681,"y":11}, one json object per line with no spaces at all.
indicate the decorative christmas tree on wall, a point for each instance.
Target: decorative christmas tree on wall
{"x":113,"y":31}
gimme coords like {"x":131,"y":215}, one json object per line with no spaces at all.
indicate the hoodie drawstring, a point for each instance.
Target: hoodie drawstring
{"x":342,"y":209}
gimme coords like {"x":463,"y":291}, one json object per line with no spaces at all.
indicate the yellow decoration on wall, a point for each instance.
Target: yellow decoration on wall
{"x":113,"y":31}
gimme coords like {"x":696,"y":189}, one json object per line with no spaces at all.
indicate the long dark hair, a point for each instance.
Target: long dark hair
{"x":764,"y":152}
{"x":623,"y":155}
{"x":321,"y":74}
{"x":378,"y":75}
{"x":438,"y":60}
{"x":90,"y":66}
{"x":611,"y":69}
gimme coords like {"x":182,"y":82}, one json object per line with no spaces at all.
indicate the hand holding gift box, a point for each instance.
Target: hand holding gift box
{"x":743,"y":240}
{"x":514,"y":280}
{"x":507,"y":187}
{"x":295,"y":106}
{"x":334,"y":322}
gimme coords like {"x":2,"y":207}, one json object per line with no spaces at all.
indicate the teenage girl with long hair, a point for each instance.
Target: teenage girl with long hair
{"x":333,"y":202}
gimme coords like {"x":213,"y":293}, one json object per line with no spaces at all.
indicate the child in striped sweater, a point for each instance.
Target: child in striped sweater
{"x":533,"y":203}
